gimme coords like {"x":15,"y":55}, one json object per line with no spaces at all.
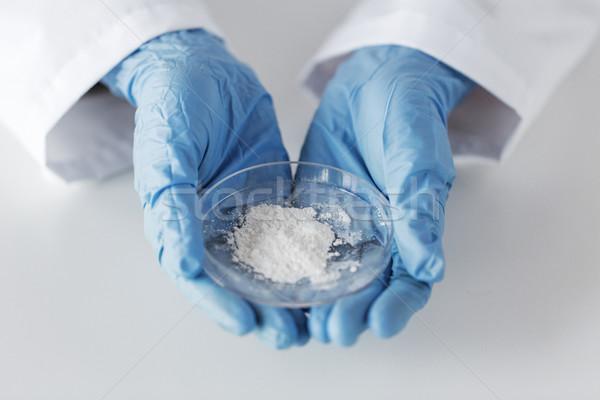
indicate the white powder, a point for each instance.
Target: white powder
{"x":335,"y":215}
{"x":289,"y":244}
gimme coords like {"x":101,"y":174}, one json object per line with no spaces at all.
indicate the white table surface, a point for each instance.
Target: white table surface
{"x":84,"y":305}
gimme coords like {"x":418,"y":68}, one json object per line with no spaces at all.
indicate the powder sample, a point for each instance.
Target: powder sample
{"x":286,"y":244}
{"x":335,"y":215}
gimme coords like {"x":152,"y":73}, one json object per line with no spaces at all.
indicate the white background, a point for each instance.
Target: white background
{"x":82,"y":299}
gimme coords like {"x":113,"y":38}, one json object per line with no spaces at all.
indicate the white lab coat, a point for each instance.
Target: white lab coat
{"x":53,"y":52}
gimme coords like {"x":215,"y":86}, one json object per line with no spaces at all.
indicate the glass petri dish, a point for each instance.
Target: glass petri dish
{"x":357,"y":262}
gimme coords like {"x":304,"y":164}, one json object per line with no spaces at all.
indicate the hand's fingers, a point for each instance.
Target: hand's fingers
{"x":174,"y":229}
{"x":317,"y":322}
{"x":348,"y":318}
{"x":408,"y":155}
{"x":418,"y":237}
{"x":275,"y":327}
{"x":166,"y":159}
{"x":413,"y":152}
{"x":396,"y":304}
{"x":301,"y":325}
{"x":226,"y":308}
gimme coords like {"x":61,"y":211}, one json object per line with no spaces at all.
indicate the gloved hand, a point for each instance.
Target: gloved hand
{"x":383,"y":117}
{"x":201,"y":115}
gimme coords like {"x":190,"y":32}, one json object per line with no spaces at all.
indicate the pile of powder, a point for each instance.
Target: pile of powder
{"x":335,"y":215}
{"x":284,"y":244}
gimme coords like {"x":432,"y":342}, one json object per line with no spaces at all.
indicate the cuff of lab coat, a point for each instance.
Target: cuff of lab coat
{"x":74,"y":137}
{"x":486,"y":125}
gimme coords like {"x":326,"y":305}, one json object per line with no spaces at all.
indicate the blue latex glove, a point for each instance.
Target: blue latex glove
{"x":201,"y":115}
{"x":383,"y":117}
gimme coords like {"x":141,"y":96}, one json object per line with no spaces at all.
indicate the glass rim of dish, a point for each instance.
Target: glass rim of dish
{"x":202,"y":192}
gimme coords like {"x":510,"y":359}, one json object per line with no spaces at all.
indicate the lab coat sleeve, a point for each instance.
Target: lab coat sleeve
{"x":516,"y":51}
{"x":54,"y":52}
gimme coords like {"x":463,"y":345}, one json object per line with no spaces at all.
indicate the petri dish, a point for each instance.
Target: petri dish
{"x":357,"y":262}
